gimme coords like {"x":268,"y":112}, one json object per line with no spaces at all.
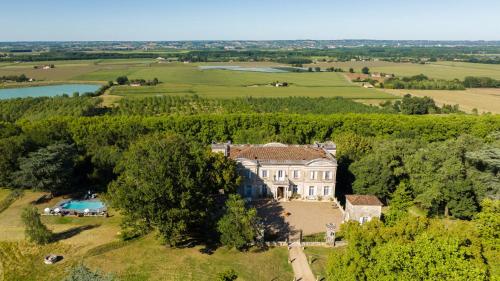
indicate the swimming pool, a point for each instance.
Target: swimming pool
{"x":76,"y":205}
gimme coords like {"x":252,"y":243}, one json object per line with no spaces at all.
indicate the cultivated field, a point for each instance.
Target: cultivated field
{"x":438,"y":70}
{"x":484,"y":100}
{"x":182,"y":79}
{"x":94,"y":241}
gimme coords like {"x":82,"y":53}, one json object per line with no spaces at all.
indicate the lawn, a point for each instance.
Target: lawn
{"x":319,"y":258}
{"x":4,"y":193}
{"x":94,"y":241}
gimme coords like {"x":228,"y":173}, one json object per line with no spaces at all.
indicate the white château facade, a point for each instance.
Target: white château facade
{"x":280,"y":171}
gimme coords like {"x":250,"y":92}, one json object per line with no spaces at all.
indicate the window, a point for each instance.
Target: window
{"x":281,"y":175}
{"x":296,"y":174}
{"x":314,"y":175}
{"x":311,"y":191}
{"x":327,"y":175}
{"x":362,"y":220}
{"x":326,"y":191}
{"x":264,"y":173}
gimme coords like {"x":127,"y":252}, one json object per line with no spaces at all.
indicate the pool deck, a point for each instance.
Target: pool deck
{"x":76,"y":212}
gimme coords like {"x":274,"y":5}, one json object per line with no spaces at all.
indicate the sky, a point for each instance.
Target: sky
{"x":148,"y":20}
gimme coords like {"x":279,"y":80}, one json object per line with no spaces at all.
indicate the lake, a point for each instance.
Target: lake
{"x":47,"y":91}
{"x":239,"y":68}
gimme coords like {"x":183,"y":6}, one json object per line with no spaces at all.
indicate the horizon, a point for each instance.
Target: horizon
{"x":273,"y":20}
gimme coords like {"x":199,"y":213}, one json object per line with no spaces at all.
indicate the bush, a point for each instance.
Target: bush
{"x":228,"y":275}
{"x":83,"y":273}
{"x":35,"y":230}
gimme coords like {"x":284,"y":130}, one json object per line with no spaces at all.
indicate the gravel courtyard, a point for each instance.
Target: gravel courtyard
{"x":283,"y":218}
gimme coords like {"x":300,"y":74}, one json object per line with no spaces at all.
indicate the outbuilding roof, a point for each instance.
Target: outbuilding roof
{"x":364,"y":200}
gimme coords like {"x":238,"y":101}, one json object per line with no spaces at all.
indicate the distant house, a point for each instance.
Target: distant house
{"x":280,"y":84}
{"x":46,"y":67}
{"x":368,"y":85}
{"x":362,"y":208}
{"x":135,"y":84}
{"x":376,"y":75}
{"x":389,"y":76}
{"x":160,"y":58}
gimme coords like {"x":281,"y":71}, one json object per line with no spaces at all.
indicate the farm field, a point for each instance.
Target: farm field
{"x":182,"y":79}
{"x":437,"y":70}
{"x":484,"y":100}
{"x":94,"y":242}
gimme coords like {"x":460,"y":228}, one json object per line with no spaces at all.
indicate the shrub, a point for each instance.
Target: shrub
{"x":83,"y":273}
{"x":35,"y":230}
{"x":228,"y":275}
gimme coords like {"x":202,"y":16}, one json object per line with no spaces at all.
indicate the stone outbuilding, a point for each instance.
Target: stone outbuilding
{"x":362,"y":208}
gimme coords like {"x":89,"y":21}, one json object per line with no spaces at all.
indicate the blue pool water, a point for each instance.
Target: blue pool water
{"x":47,"y":91}
{"x":82,"y":205}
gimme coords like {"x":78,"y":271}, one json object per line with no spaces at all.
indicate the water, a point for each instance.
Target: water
{"x":82,"y":205}
{"x":239,"y":68}
{"x":47,"y":91}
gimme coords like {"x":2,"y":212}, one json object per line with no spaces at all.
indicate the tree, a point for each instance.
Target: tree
{"x":380,"y":172}
{"x":439,"y":177}
{"x":488,"y":223}
{"x":169,"y":184}
{"x":83,"y":273}
{"x":351,"y":70}
{"x":11,"y":149}
{"x":365,"y":70}
{"x":122,"y":80}
{"x":48,"y":169}
{"x":400,"y":201}
{"x":238,"y":226}
{"x":416,"y":105}
{"x":317,"y":69}
{"x":35,"y":230}
{"x":412,"y":249}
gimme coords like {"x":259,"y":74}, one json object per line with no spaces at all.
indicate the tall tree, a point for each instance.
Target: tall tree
{"x":48,"y":169}
{"x":169,"y":184}
{"x":238,"y":226}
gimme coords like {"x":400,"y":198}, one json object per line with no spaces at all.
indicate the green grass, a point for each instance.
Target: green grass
{"x":4,"y":192}
{"x":319,"y":258}
{"x":182,"y":79}
{"x":437,"y":70}
{"x":142,"y":259}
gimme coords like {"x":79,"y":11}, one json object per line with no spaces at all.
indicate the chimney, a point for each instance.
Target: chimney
{"x":221,"y":148}
{"x":330,"y":147}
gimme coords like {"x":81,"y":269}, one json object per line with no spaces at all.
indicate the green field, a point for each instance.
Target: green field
{"x":94,"y":241}
{"x":187,"y":79}
{"x":182,"y":79}
{"x":437,"y":70}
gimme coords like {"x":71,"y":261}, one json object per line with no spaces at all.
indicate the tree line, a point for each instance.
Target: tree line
{"x":422,"y":82}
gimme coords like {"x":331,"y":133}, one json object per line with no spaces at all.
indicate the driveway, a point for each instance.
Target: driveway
{"x":288,"y":218}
